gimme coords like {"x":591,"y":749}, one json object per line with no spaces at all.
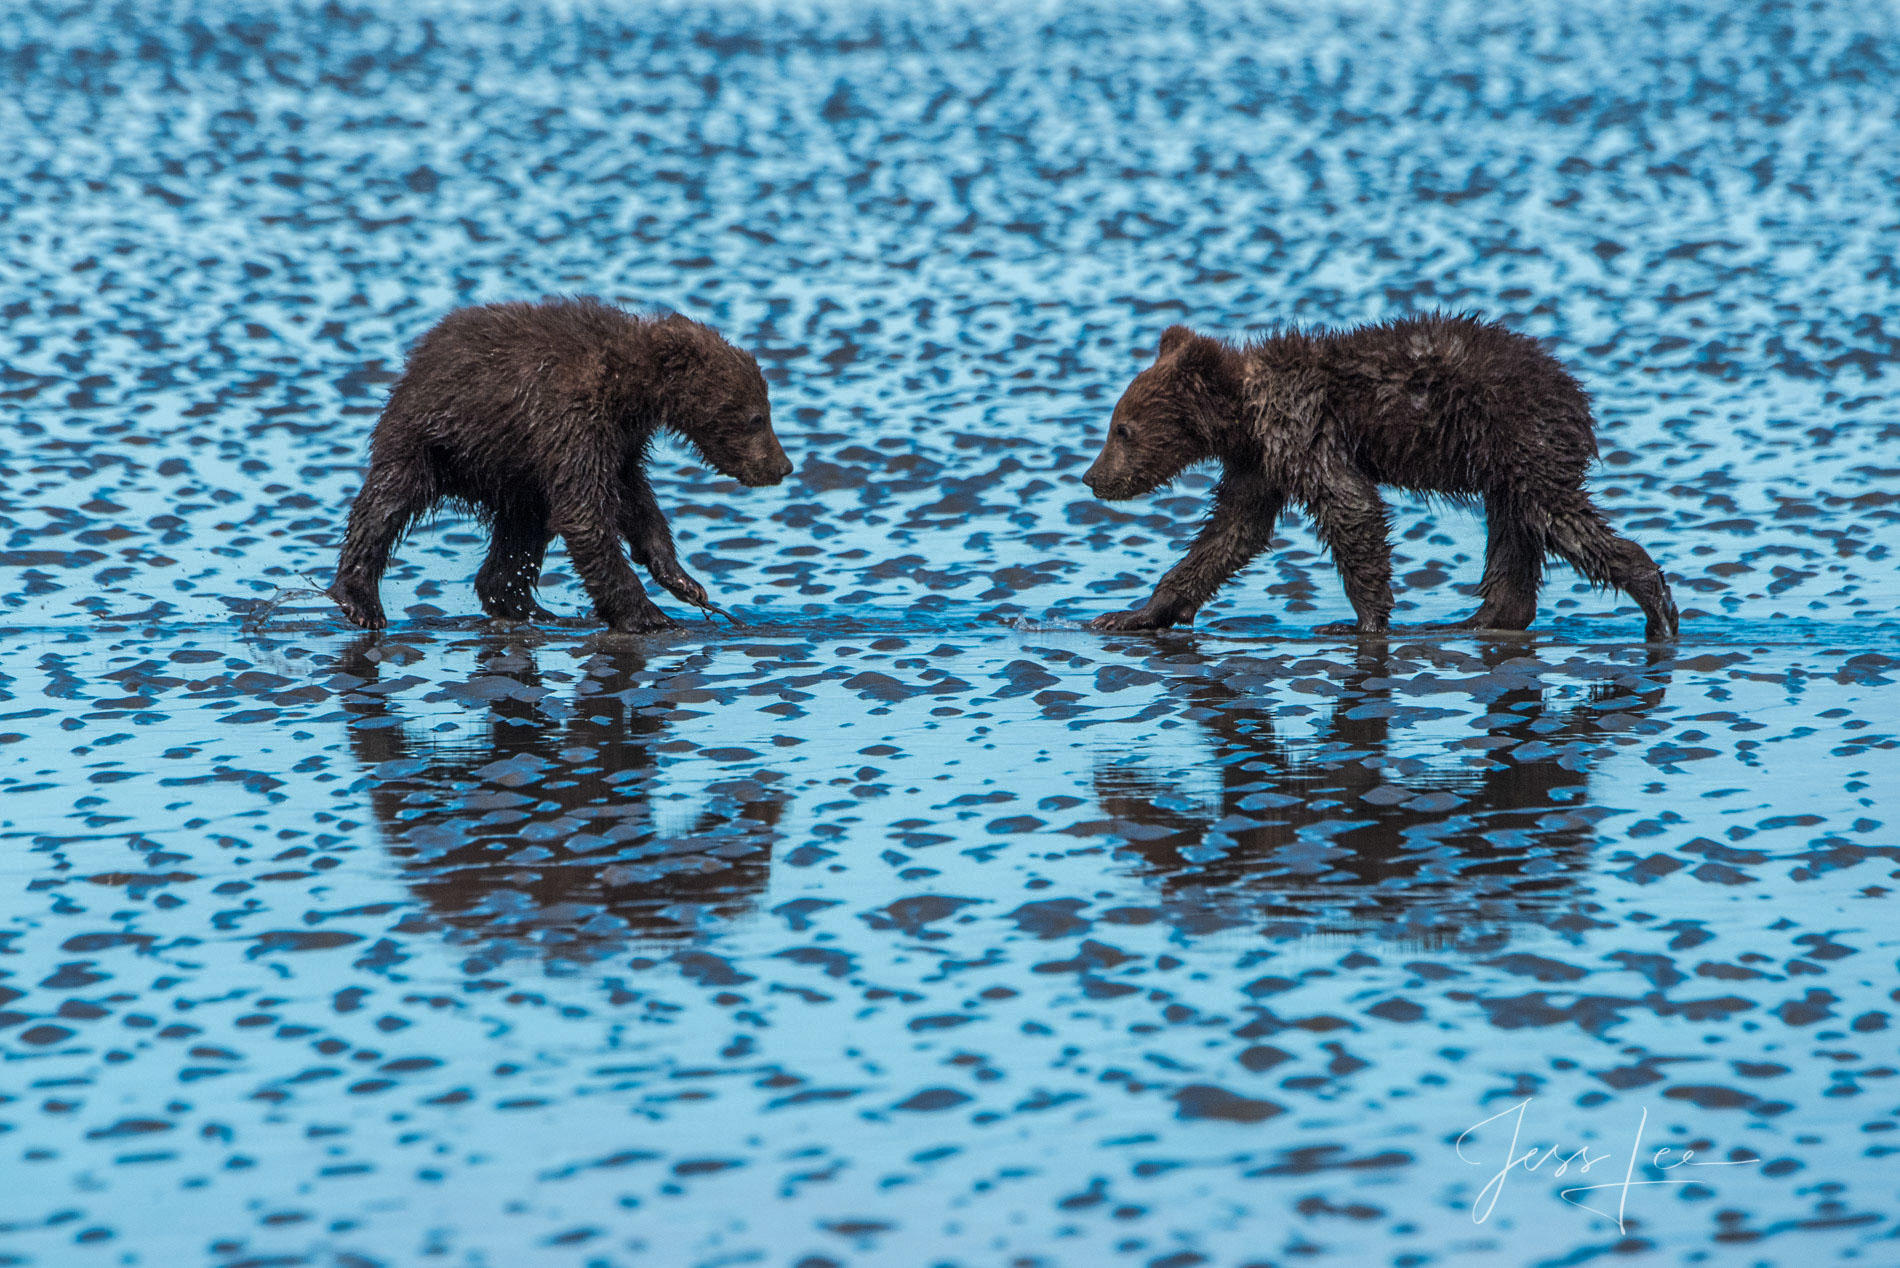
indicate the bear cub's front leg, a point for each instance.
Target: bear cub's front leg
{"x":650,"y":542}
{"x":1246,"y":508}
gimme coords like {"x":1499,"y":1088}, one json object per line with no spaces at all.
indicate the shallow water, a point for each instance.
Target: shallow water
{"x":912,"y":922}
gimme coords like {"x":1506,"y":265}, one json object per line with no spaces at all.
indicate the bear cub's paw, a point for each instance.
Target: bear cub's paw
{"x":669,"y":574}
{"x":516,"y":608}
{"x":1142,"y":618}
{"x":359,"y":605}
{"x":642,"y":617}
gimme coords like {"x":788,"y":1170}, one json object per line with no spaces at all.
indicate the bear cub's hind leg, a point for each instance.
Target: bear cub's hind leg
{"x":508,"y":577}
{"x":393,"y":494}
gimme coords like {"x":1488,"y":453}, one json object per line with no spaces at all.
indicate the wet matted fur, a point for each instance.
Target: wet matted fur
{"x":538,"y":418}
{"x":1442,"y":405}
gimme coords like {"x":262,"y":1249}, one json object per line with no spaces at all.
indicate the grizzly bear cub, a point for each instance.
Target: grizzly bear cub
{"x":537,"y":418}
{"x":1443,"y":405}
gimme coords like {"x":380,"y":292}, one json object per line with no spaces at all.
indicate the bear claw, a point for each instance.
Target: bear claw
{"x":687,"y":590}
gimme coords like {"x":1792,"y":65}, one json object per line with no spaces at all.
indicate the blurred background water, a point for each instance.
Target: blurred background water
{"x":912,"y":923}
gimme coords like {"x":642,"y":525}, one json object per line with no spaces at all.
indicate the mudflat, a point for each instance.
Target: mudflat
{"x":914,"y":922}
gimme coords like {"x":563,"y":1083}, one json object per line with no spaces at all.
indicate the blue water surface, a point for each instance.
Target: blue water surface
{"x":912,"y":923}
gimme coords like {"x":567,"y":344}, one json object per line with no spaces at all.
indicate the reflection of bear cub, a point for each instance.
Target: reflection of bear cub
{"x":537,"y":417}
{"x":1446,"y":405}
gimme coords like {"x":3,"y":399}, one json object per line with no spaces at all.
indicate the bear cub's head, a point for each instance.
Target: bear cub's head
{"x":718,"y":404}
{"x":1171,"y":417}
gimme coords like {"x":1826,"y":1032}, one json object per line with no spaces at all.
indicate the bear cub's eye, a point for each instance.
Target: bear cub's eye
{"x":757,"y":422}
{"x":1124,"y":432}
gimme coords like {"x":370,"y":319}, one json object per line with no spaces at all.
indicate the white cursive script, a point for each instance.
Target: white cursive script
{"x":1533,"y":1160}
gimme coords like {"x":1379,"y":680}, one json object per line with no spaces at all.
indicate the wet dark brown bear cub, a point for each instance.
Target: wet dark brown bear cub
{"x":538,"y":417}
{"x":1444,"y":405}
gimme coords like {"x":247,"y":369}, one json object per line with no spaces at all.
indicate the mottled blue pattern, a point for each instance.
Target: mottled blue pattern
{"x":913,"y":924}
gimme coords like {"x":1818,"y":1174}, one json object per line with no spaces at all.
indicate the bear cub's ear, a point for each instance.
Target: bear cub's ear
{"x":1173,"y":338}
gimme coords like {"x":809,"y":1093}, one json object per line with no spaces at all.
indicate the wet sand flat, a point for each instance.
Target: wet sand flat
{"x":911,"y":922}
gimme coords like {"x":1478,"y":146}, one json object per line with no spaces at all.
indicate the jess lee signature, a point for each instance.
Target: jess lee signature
{"x":1581,"y":1160}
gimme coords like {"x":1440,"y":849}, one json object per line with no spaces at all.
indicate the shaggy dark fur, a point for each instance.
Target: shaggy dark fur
{"x":538,"y":417}
{"x":1443,"y":405}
